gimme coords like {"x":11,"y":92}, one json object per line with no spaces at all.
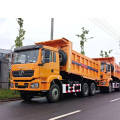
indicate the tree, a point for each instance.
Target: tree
{"x":105,"y":54}
{"x":20,"y":37}
{"x":83,"y":39}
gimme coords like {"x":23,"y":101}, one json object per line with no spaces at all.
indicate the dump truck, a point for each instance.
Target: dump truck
{"x":52,"y":69}
{"x":109,"y":75}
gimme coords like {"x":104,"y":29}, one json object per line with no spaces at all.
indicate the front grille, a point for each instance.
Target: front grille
{"x":21,"y":73}
{"x":21,"y":86}
{"x":23,"y":80}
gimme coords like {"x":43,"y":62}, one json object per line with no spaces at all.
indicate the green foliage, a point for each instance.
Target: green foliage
{"x":83,"y":39}
{"x":20,"y":37}
{"x":105,"y":54}
{"x":6,"y":93}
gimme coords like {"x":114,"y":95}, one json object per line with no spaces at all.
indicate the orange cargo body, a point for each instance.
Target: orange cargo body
{"x":111,"y":60}
{"x":76,"y":63}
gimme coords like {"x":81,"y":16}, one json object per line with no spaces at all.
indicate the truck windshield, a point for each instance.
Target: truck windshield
{"x":102,"y":66}
{"x":29,"y":56}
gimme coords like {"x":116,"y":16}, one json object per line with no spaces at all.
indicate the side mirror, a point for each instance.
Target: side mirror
{"x":47,"y":53}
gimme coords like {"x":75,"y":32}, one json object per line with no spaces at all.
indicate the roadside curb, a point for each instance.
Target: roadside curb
{"x":9,"y":99}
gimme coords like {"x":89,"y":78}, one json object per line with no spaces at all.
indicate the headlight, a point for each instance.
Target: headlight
{"x":35,"y":85}
{"x":11,"y":85}
{"x":102,"y":83}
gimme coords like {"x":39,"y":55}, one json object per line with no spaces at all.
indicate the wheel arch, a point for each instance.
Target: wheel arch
{"x":58,"y":82}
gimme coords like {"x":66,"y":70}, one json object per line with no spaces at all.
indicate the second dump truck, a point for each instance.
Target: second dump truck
{"x":53,"y":68}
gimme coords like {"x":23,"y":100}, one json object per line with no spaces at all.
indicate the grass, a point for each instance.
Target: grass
{"x":6,"y":93}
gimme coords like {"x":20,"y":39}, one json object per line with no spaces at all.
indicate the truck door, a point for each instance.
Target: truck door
{"x":108,"y":71}
{"x":49,"y":64}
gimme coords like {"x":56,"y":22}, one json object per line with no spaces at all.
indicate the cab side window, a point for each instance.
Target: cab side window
{"x":107,"y":68}
{"x":54,"y":57}
{"x":50,"y":57}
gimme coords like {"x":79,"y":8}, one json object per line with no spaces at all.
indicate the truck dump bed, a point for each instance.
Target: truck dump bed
{"x":111,"y":60}
{"x":76,"y":63}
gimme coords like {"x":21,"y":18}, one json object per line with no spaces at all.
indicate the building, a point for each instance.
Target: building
{"x":7,"y":54}
{"x":4,"y":52}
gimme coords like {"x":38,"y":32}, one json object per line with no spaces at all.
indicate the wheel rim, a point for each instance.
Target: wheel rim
{"x":85,"y":89}
{"x":55,"y":93}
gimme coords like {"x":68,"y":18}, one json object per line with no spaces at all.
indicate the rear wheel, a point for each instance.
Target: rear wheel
{"x":84,"y":90}
{"x":26,"y":96}
{"x":92,"y":89}
{"x":53,"y":95}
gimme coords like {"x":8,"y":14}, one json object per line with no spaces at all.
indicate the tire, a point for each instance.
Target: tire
{"x":109,"y":88}
{"x":84,"y":90}
{"x":92,"y":89}
{"x":26,"y":96}
{"x":53,"y":95}
{"x":62,"y":57}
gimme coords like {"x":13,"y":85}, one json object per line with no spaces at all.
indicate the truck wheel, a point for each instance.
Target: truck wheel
{"x":26,"y":96}
{"x":84,"y":90}
{"x":53,"y":95}
{"x":109,"y":88}
{"x":62,"y":57}
{"x":92,"y":89}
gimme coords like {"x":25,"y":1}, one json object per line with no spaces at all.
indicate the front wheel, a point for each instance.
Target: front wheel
{"x":109,"y":88}
{"x":53,"y":95}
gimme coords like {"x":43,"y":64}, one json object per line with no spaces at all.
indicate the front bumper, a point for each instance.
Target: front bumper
{"x":26,"y":86}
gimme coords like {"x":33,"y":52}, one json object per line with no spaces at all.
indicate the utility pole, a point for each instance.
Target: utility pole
{"x":52,"y":28}
{"x":119,"y":44}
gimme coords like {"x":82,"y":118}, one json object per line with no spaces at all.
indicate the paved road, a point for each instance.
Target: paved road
{"x":98,"y":107}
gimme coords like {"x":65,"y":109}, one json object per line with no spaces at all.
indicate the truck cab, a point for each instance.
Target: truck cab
{"x":33,"y":69}
{"x":105,"y":71}
{"x":109,"y":75}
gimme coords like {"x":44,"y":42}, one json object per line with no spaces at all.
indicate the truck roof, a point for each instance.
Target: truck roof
{"x":58,"y":43}
{"x":105,"y":59}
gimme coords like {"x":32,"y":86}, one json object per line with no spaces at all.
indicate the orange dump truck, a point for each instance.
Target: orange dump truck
{"x":110,"y":74}
{"x":53,"y":68}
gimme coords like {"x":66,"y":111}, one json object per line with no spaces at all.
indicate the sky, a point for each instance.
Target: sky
{"x":69,"y":17}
